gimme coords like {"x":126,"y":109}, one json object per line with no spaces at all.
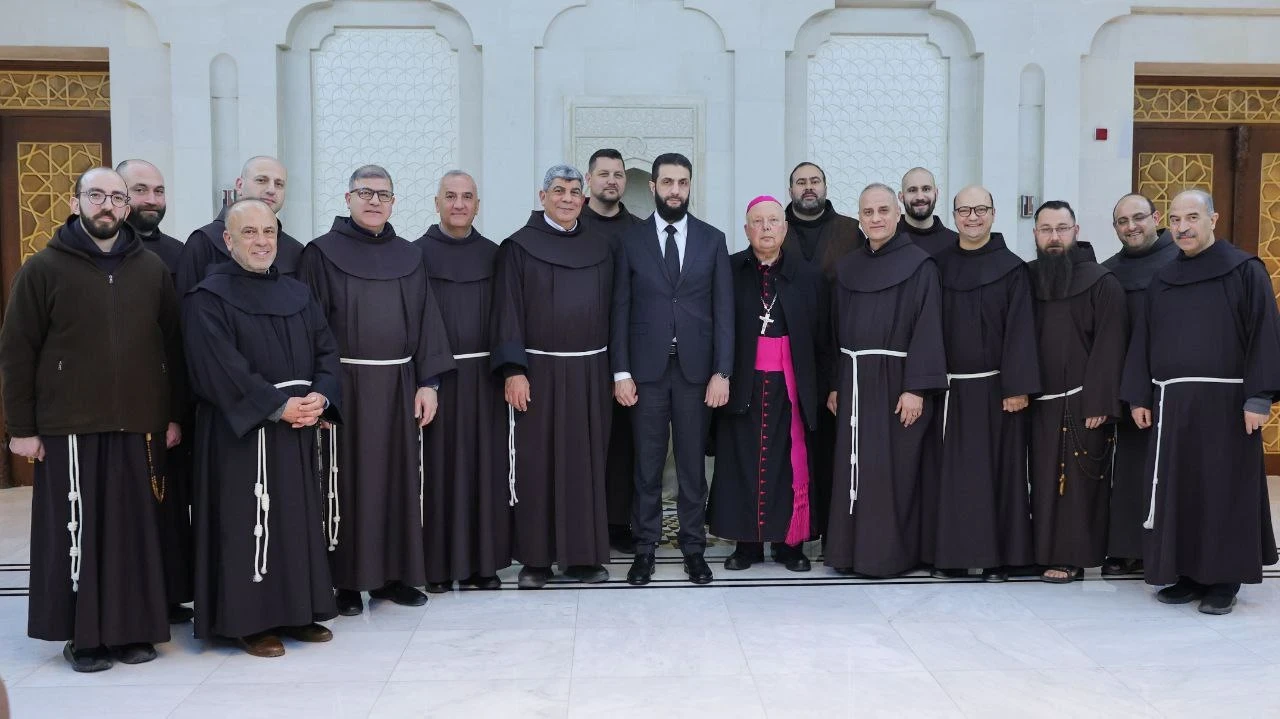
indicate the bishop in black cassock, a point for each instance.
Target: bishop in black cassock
{"x":1081,"y":329}
{"x":1145,"y":250}
{"x":376,"y":295}
{"x":549,"y":337}
{"x":1203,"y":368}
{"x":265,"y":368}
{"x":468,"y":526}
{"x":888,"y":319}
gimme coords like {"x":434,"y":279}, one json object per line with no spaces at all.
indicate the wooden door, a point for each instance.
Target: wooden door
{"x":41,"y":154}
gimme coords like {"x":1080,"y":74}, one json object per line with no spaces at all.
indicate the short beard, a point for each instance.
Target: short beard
{"x":928,"y":211}
{"x":142,"y":224}
{"x":667,"y":212}
{"x":813,"y":206}
{"x":101,"y":229}
{"x":1054,"y":272}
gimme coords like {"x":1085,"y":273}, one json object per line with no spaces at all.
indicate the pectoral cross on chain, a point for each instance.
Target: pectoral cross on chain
{"x":766,"y":319}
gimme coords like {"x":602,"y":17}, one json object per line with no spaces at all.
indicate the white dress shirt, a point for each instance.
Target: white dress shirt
{"x":682,"y":233}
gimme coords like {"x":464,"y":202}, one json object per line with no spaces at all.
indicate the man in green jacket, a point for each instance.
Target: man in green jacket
{"x":91,"y":364}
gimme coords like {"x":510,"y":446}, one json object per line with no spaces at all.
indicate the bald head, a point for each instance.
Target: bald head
{"x":263,"y":178}
{"x":251,"y":234}
{"x":97,"y":192}
{"x":146,"y":195}
{"x":974,"y":228}
{"x":919,"y":196}
{"x":1192,"y":221}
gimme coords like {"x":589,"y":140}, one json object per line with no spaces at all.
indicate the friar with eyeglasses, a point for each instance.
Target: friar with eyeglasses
{"x":92,"y":372}
{"x":262,"y":178}
{"x":890,"y":371}
{"x":376,"y":294}
{"x":1145,"y":248}
{"x":975,"y":494}
{"x":1081,"y":333}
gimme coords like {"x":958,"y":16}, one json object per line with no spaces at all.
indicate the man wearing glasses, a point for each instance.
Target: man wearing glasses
{"x":90,"y":359}
{"x":1081,"y":330}
{"x":261,"y":178}
{"x":374,"y":291}
{"x":1145,"y":248}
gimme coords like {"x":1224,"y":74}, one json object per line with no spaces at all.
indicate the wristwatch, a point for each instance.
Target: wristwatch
{"x":722,"y":376}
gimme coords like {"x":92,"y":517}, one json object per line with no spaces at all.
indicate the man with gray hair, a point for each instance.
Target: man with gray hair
{"x":375,"y":293}
{"x":549,"y":338}
{"x":261,"y":178}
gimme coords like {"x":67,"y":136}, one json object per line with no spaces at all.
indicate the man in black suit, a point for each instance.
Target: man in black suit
{"x":671,"y":346}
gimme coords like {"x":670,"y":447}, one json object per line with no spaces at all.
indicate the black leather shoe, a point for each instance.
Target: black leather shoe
{"x":136,"y":653}
{"x":87,"y":660}
{"x":179,"y":614}
{"x":587,"y":573}
{"x":534,"y":577}
{"x":937,"y":573}
{"x":1184,"y":591}
{"x":310,"y":633}
{"x":995,"y":574}
{"x":349,"y":602}
{"x":696,"y":567}
{"x":744,"y":555}
{"x":641,"y":570}
{"x":796,"y":562}
{"x":621,"y":540}
{"x":481,"y":582}
{"x":439,"y":587}
{"x":400,"y":593}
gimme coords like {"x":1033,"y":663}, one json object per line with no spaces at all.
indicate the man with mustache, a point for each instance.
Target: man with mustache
{"x":91,"y":364}
{"x":919,"y":197}
{"x":1145,"y":248}
{"x":892,"y":367}
{"x":607,"y":182}
{"x":375,"y":293}
{"x":261,"y":178}
{"x":146,"y":210}
{"x":1081,"y":326}
{"x":672,"y":355}
{"x":1202,"y":371}
{"x":975,"y":499}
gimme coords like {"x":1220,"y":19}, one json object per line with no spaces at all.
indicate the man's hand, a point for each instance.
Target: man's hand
{"x":302,"y":412}
{"x":425,"y":403}
{"x":717,"y":392}
{"x":833,"y":402}
{"x":172,"y":436}
{"x":909,"y":408}
{"x":1141,"y":417}
{"x":624,"y":391}
{"x":30,"y":447}
{"x":517,"y":392}
{"x":1094,"y":422}
{"x":1253,"y":421}
{"x":1016,"y":403}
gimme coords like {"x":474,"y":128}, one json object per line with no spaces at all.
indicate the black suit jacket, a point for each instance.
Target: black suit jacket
{"x":649,"y":308}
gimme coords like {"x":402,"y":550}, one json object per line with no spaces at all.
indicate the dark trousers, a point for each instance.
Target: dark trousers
{"x":670,"y":403}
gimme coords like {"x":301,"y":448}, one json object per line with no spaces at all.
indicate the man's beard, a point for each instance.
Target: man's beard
{"x":1054,"y":271}
{"x":811,"y":205}
{"x":147,"y":220}
{"x":101,"y":227}
{"x":922,"y":213}
{"x":667,"y":212}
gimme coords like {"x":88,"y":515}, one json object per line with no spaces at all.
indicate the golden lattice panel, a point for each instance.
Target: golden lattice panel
{"x":1206,"y":104}
{"x":54,"y":90}
{"x":1269,"y":251}
{"x":1161,"y":175}
{"x":47,"y":173}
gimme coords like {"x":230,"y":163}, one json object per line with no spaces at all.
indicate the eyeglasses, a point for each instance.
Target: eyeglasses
{"x":979,"y":210}
{"x":367,"y":194}
{"x":761,"y":223}
{"x":1138,"y":219}
{"x":98,"y":197}
{"x":1051,"y":231}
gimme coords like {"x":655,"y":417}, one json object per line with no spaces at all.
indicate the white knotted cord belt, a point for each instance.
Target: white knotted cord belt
{"x":946,"y":399}
{"x":262,"y":492}
{"x":1150,"y":522}
{"x":853,"y":416}
{"x":77,"y":508}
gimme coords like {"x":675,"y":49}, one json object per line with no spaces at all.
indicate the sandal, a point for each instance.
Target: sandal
{"x":1073,"y":573}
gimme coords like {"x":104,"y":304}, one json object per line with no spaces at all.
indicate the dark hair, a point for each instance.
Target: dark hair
{"x":671,"y":158}
{"x":1055,"y":205}
{"x":1151,"y":206}
{"x":791,"y":179}
{"x":606,"y":152}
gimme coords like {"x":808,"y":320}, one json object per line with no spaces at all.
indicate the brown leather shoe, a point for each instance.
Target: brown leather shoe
{"x":262,"y":644}
{"x":307,"y":633}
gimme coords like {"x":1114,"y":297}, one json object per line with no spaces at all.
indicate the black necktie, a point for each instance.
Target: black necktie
{"x":672,"y":254}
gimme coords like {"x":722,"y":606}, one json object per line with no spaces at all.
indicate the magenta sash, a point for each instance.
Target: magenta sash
{"x":773,"y":354}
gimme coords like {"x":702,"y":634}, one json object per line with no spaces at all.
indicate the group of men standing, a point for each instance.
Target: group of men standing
{"x":405,"y":414}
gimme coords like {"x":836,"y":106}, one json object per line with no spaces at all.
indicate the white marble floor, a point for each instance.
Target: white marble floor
{"x":761,"y":643}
